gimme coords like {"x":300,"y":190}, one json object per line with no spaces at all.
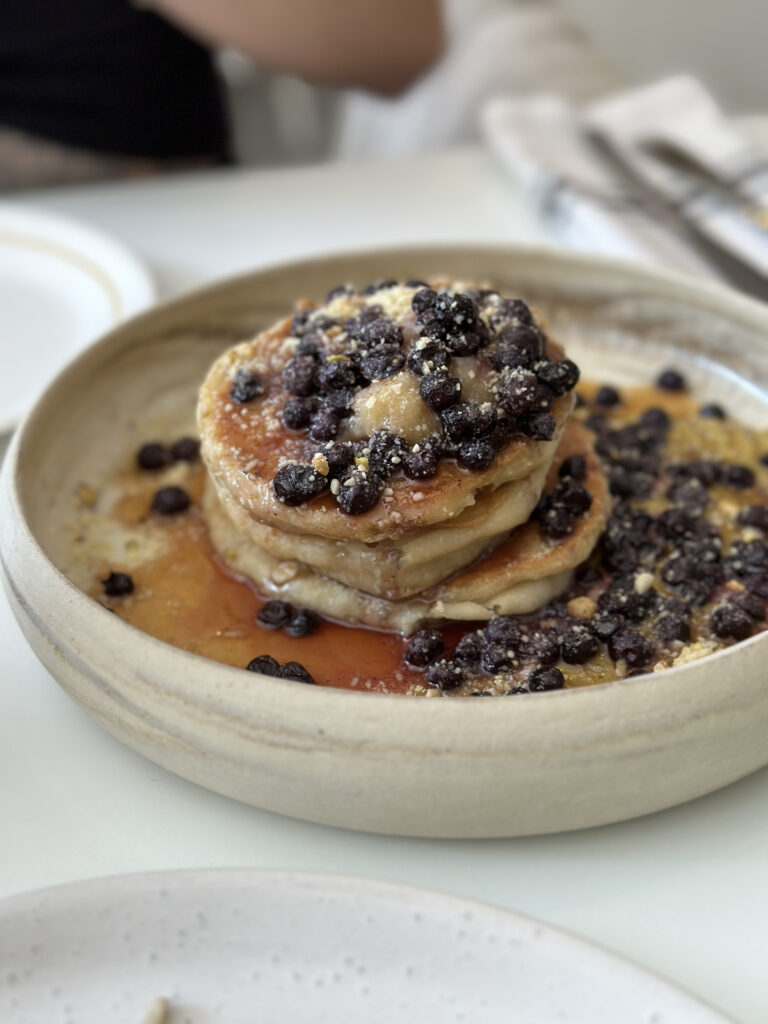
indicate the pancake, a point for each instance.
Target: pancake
{"x":412,"y":561}
{"x":518,"y":576}
{"x":245,"y":444}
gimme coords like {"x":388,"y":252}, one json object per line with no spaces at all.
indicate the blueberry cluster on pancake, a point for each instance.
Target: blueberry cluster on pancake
{"x":355,"y":406}
{"x":363,"y":451}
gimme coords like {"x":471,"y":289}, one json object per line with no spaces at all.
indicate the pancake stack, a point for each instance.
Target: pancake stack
{"x":400,"y":456}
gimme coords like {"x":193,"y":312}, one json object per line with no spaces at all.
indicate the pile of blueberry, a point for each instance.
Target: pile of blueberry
{"x":325,"y":373}
{"x":680,"y":547}
{"x":505,"y":645}
{"x":154,"y":456}
{"x":557,"y":511}
{"x":296,"y":622}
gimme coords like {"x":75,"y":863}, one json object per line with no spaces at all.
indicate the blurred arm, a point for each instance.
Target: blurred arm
{"x":382,"y":45}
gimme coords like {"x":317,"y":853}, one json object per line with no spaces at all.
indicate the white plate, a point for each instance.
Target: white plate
{"x":233,"y":946}
{"x":61,"y":285}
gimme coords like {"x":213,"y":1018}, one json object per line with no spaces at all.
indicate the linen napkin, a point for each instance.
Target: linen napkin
{"x":675,"y":140}
{"x":577,"y":191}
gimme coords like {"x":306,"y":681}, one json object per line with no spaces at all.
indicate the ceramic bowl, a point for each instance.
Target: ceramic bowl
{"x":460,"y":768}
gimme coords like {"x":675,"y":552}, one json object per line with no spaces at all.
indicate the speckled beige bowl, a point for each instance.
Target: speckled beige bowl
{"x":539,"y":763}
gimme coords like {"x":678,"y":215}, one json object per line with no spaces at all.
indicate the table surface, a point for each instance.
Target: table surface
{"x":683,"y":892}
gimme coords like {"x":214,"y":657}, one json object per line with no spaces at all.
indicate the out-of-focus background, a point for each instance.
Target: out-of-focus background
{"x":579,"y":47}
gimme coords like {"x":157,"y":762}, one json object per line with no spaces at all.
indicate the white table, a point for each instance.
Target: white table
{"x":684,"y":892}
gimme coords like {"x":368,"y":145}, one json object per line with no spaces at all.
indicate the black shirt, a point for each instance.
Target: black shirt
{"x":106,"y":76}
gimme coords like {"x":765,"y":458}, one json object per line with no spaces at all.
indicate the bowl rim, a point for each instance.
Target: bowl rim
{"x":708,"y":297}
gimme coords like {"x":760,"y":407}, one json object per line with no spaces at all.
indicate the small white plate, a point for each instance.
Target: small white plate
{"x":234,"y":946}
{"x":62,"y":284}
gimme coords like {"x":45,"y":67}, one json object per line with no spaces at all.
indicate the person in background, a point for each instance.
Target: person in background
{"x":94,"y":89}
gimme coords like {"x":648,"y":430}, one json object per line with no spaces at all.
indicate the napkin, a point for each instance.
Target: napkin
{"x":577,"y":191}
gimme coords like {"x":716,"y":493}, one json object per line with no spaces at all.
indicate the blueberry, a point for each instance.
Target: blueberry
{"x":521,"y":345}
{"x":607,"y":396}
{"x":386,"y":452}
{"x":556,"y":521}
{"x":671,"y":380}
{"x":170,"y":501}
{"x":753,"y":605}
{"x":325,"y":425}
{"x":503,"y":629}
{"x":542,"y":679}
{"x":496,"y":657}
{"x":274,"y":614}
{"x":677,"y":522}
{"x":440,"y":390}
{"x":508,"y":355}
{"x":381,"y":333}
{"x":264,"y":664}
{"x":597,"y":423}
{"x":300,"y":376}
{"x":425,"y":357}
{"x":468,"y":343}
{"x":297,"y":482}
{"x":310,"y":345}
{"x":295,"y":672}
{"x":379,"y":365}
{"x":339,"y":291}
{"x":604,"y":626}
{"x":423,"y":300}
{"x":153,"y":456}
{"x":559,"y":377}
{"x":246,"y":385}
{"x":539,"y":427}
{"x":359,"y":492}
{"x":631,"y":647}
{"x":738,"y":477}
{"x":336,"y":374}
{"x":476,"y":455}
{"x":541,"y":647}
{"x":571,"y":495}
{"x":297,"y":413}
{"x":445,"y":675}
{"x":117,"y":584}
{"x":656,"y":420}
{"x":574,"y":466}
{"x":424,"y":647}
{"x":340,"y":455}
{"x":462,"y":421}
{"x":690,"y":494}
{"x":302,"y":623}
{"x":339,"y":402}
{"x":578,"y":646}
{"x":469,"y":650}
{"x":754,"y":515}
{"x":512,"y":311}
{"x":713,"y":411}
{"x":729,"y":622}
{"x":185,"y":449}
{"x":300,"y":321}
{"x":457,"y":312}
{"x":672,"y":627}
{"x":379,"y":286}
{"x":423,"y":464}
{"x":520,"y":393}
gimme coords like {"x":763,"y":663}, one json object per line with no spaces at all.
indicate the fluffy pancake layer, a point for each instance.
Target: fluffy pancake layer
{"x":518,"y":576}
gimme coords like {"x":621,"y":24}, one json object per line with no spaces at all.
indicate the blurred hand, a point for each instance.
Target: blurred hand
{"x":382,"y":45}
